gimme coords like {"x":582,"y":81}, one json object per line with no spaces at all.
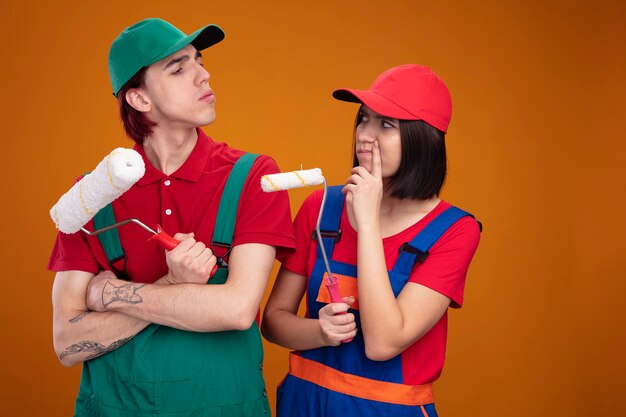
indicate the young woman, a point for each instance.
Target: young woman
{"x":400,"y":255}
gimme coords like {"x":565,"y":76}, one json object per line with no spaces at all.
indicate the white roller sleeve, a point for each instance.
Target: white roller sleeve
{"x":293,"y":179}
{"x":113,"y":176}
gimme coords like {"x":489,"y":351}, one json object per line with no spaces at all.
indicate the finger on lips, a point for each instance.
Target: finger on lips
{"x":377,"y":162}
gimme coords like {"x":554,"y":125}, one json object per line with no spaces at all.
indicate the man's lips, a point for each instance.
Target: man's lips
{"x":208,"y":96}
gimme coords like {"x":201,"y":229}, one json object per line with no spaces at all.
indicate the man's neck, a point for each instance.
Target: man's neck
{"x":168,"y":150}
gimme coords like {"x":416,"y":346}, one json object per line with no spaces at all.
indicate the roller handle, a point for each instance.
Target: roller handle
{"x":168,"y":242}
{"x":163,"y":239}
{"x":335,"y":296}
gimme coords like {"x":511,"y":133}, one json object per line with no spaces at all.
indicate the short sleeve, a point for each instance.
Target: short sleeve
{"x":303,"y":225}
{"x":264,"y":217}
{"x":72,"y":253}
{"x":446,"y":267}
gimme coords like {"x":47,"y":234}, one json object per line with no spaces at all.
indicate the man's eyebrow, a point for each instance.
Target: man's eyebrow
{"x":180,"y":60}
{"x":176,"y":61}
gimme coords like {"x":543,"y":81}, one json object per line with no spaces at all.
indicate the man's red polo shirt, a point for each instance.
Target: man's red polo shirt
{"x":185,"y":201}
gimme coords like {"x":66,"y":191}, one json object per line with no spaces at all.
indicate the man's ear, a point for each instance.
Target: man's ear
{"x":138,"y":100}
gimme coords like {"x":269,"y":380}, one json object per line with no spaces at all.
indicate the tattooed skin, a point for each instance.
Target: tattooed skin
{"x":86,"y":346}
{"x":126,"y":293}
{"x":98,"y":349}
{"x":79,"y":317}
{"x":111,"y":348}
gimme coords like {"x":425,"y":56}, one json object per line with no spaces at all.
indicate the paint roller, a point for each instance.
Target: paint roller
{"x":113,"y":176}
{"x":299,"y":179}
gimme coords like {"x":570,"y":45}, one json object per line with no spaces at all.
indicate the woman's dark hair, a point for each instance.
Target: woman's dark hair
{"x":423,"y":165}
{"x":136,"y":124}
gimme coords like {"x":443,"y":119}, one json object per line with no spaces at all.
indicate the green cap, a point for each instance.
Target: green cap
{"x":150,"y":40}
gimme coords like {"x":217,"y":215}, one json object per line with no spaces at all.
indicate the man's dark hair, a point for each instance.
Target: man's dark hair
{"x":136,"y":124}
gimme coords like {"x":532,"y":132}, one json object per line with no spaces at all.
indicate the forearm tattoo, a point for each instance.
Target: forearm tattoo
{"x":79,"y":317}
{"x":88,"y":346}
{"x":126,"y":293}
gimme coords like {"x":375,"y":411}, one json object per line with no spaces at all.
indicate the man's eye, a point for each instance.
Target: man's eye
{"x":178,"y":71}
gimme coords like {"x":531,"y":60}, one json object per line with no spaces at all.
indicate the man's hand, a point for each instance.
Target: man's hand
{"x":190,"y":262}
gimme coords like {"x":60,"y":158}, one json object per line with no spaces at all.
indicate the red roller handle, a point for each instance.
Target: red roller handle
{"x":168,"y":242}
{"x":332,"y":285}
{"x":163,"y":239}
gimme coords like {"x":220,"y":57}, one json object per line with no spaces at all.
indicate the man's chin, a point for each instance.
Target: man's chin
{"x":205,"y":121}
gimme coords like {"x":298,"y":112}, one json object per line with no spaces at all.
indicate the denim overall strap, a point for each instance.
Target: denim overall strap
{"x":331,"y":220}
{"x":417,"y":249}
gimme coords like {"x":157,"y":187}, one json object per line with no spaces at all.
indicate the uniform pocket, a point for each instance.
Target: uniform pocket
{"x":159,"y":354}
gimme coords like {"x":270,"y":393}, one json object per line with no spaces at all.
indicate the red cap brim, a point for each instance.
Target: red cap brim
{"x":374,"y":101}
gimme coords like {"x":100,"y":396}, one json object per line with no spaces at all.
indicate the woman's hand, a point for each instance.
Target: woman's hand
{"x":336,"y":323}
{"x":364,"y":191}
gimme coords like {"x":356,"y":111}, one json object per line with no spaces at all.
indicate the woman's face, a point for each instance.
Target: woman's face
{"x":374,"y":127}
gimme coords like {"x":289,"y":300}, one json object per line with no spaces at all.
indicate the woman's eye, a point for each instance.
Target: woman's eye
{"x":178,"y":71}
{"x":386,"y":124}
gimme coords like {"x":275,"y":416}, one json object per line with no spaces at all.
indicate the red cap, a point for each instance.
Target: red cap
{"x":408,"y":92}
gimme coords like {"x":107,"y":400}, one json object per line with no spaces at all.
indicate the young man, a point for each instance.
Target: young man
{"x":153,"y":338}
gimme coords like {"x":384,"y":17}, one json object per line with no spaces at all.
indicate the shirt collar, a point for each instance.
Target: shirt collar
{"x":192,"y":168}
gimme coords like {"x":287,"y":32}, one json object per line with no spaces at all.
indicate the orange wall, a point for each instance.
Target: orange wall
{"x":536,"y":150}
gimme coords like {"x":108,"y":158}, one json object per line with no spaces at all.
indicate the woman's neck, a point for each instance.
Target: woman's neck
{"x":397,"y":214}
{"x":392,"y":206}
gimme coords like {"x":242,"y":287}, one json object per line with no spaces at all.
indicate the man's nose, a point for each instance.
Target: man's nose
{"x":204,"y":75}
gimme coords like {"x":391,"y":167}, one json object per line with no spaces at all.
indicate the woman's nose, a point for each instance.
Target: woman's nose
{"x":365,"y":134}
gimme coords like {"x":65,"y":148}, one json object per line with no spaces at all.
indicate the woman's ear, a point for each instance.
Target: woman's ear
{"x":138,"y":100}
